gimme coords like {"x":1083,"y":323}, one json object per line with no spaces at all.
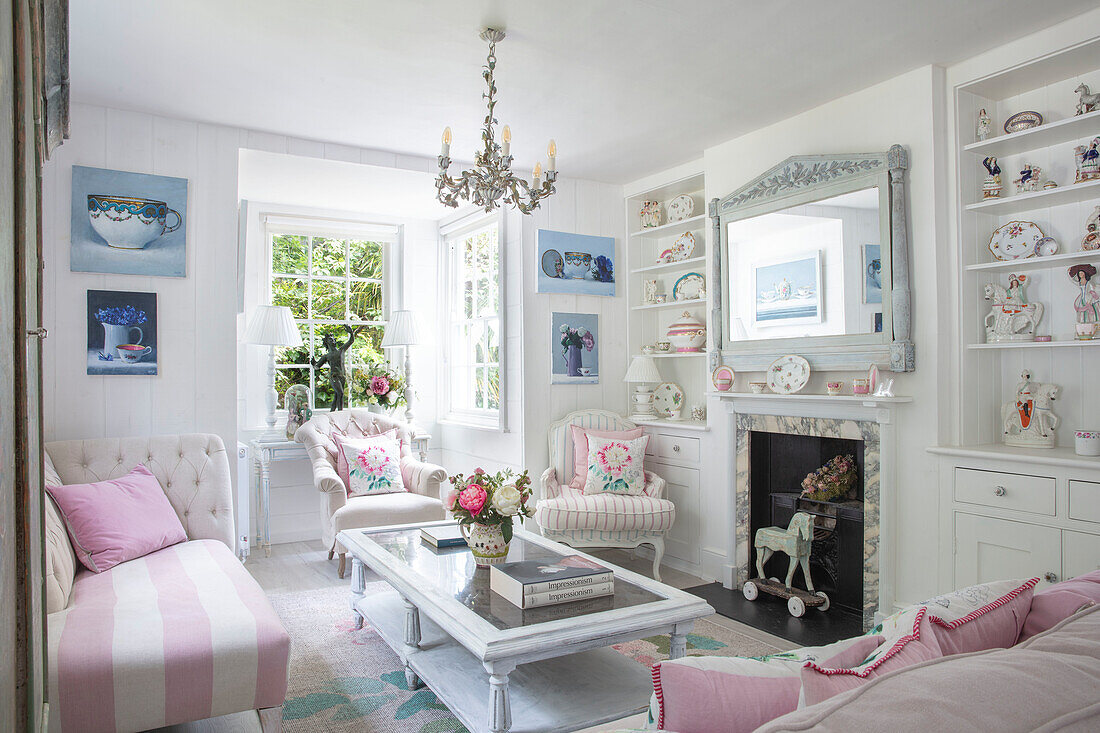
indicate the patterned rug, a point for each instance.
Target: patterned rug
{"x":344,"y":680}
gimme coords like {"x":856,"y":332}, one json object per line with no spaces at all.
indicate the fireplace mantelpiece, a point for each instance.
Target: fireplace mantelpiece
{"x":869,"y":420}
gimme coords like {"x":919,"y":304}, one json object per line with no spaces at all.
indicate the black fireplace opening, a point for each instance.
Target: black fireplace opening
{"x":778,"y":462}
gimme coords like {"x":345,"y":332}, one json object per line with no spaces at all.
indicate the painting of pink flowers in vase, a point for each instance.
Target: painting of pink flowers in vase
{"x":575,"y":351}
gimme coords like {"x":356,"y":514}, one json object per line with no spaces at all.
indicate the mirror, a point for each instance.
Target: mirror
{"x":812,"y":257}
{"x":809,"y":270}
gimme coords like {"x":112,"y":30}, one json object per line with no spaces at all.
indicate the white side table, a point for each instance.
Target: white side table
{"x":420,"y":443}
{"x":264,"y":453}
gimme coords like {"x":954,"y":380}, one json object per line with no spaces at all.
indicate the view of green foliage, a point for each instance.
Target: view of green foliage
{"x":475,"y":313}
{"x":327,"y":283}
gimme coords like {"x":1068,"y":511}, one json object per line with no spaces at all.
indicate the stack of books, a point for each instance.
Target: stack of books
{"x":443,"y":535}
{"x":534,"y":583}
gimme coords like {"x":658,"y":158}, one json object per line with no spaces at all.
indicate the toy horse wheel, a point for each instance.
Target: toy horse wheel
{"x":796,"y":606}
{"x":824,"y":606}
{"x":750,"y":591}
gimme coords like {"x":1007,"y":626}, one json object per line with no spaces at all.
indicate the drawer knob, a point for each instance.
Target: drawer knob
{"x":1051,"y":577}
{"x":999,"y":491}
{"x":676,"y":448}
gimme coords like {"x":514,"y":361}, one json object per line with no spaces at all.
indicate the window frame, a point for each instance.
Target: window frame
{"x":390,"y":235}
{"x":450,"y":234}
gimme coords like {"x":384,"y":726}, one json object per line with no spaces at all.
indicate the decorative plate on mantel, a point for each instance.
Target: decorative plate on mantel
{"x":788,"y":374}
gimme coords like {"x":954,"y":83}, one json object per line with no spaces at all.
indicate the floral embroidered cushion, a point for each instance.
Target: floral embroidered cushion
{"x":374,"y":465}
{"x":615,"y":466}
{"x":580,"y":449}
{"x":342,"y":467}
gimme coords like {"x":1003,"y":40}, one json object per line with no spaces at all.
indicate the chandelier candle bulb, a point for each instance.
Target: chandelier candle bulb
{"x":536,"y":175}
{"x":446,"y":150}
{"x":506,"y":138}
{"x":551,"y":154}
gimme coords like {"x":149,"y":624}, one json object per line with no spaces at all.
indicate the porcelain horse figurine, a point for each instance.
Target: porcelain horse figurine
{"x":1086,"y":100}
{"x":794,"y":541}
{"x":1011,"y":318}
{"x":1029,"y":420}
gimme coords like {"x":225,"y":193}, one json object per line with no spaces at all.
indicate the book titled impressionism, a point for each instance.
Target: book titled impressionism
{"x":531,"y":583}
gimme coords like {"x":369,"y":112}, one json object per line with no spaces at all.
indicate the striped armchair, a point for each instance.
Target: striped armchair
{"x":568,"y":516}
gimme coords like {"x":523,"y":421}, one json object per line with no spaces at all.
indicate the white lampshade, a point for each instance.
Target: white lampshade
{"x":272,"y":325}
{"x":402,"y":330}
{"x":642,"y":369}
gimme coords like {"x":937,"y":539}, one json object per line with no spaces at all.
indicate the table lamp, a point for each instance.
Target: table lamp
{"x":271,"y":326}
{"x":643,"y":373}
{"x":403,"y":330}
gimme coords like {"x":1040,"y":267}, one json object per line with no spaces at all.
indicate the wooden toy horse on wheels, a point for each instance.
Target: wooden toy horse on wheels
{"x":796,"y":542}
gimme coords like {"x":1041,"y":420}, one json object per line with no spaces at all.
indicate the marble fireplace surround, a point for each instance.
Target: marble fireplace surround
{"x":867,"y":422}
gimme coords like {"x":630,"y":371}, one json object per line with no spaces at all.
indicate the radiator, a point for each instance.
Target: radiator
{"x":244,"y":495}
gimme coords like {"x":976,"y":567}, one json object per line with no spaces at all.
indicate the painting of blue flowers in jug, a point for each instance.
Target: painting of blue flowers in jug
{"x":574,"y":348}
{"x":575,"y":264}
{"x":128,"y":223}
{"x":788,"y":292}
{"x":122,"y":332}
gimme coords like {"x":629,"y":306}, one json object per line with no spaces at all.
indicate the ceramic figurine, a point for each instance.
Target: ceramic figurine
{"x":699,"y":413}
{"x":1091,"y":240}
{"x":1028,"y":420}
{"x":296,"y":400}
{"x":1088,"y":161}
{"x":1087,"y":304}
{"x":1086,"y":101}
{"x":991,"y":187}
{"x":985,"y":124}
{"x":651,"y":214}
{"x":1029,"y":178}
{"x":1011,"y":318}
{"x":649,"y":291}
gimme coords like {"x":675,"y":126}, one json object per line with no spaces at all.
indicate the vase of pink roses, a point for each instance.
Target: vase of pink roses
{"x":485,"y":505}
{"x":379,"y":387}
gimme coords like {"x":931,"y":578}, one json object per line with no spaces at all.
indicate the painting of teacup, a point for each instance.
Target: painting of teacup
{"x":577,"y":264}
{"x":130,"y":223}
{"x":584,"y":371}
{"x":132,"y":353}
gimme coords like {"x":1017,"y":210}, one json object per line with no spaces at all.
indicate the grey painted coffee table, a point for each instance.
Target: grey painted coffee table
{"x":497,"y":667}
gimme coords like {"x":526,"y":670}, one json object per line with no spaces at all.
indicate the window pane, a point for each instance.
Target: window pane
{"x":328,"y":256}
{"x":368,"y":346}
{"x":477,"y":342}
{"x":461,"y":388}
{"x":462,"y":350}
{"x":467,"y":299}
{"x":288,"y":254}
{"x":479,"y":389}
{"x":290,"y":292}
{"x":286,"y":377}
{"x":366,"y":259}
{"x":493,"y":338}
{"x":366,"y":301}
{"x":493,"y":398}
{"x":328,"y":300}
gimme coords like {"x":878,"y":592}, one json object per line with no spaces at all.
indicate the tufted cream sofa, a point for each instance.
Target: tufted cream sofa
{"x":182,"y":634}
{"x":419,"y":503}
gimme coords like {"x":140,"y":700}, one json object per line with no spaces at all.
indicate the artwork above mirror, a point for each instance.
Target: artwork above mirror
{"x":812,"y":259}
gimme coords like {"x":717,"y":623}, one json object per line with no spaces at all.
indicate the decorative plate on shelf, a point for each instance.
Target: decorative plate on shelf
{"x":1015,"y":240}
{"x":680,"y":208}
{"x":689,"y":286}
{"x":722,"y":377}
{"x":552,"y":263}
{"x":1023,"y":121}
{"x":872,"y":377}
{"x":668,"y":397}
{"x":682,"y":247}
{"x":665,"y":256}
{"x":788,"y":374}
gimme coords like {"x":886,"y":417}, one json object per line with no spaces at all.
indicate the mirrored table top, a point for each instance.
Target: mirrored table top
{"x":453,"y":572}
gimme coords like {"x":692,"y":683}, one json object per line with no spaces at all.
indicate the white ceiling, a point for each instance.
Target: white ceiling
{"x":626,"y":87}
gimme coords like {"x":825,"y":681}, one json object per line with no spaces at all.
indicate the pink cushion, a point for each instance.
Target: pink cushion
{"x":374,"y":465}
{"x":118,"y":520}
{"x":1060,"y":601}
{"x":580,"y":448}
{"x":988,"y":616}
{"x":821,"y":683}
{"x":738,"y":694}
{"x":343,"y":470}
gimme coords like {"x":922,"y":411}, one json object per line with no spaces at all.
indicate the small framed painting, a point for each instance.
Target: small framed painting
{"x":872,"y":274}
{"x":122,"y":332}
{"x":575,"y":264}
{"x":128,"y":223}
{"x":788,"y":291}
{"x":574,"y":348}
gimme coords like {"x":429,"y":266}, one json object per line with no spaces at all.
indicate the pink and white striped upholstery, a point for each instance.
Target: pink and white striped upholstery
{"x":572,"y":510}
{"x":566,"y":515}
{"x":179,"y":635}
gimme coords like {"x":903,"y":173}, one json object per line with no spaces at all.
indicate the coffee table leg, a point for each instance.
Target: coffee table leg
{"x":678,"y":640}
{"x":412,"y":640}
{"x":358,"y":586}
{"x":500,"y":706}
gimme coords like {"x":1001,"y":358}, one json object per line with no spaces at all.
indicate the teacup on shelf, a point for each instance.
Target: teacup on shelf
{"x":664,"y":346}
{"x":861,"y":386}
{"x":758,"y":387}
{"x":834,"y":388}
{"x":648,"y":348}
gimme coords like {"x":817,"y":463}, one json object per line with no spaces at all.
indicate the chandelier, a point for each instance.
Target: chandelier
{"x":491,"y":179}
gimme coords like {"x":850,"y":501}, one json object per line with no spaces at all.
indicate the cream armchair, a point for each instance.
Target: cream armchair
{"x":568,"y":516}
{"x":420,"y":502}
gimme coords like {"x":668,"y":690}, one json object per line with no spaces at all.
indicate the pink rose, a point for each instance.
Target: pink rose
{"x":473,"y":498}
{"x":479,"y":471}
{"x":452,"y":499}
{"x":379,"y":385}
